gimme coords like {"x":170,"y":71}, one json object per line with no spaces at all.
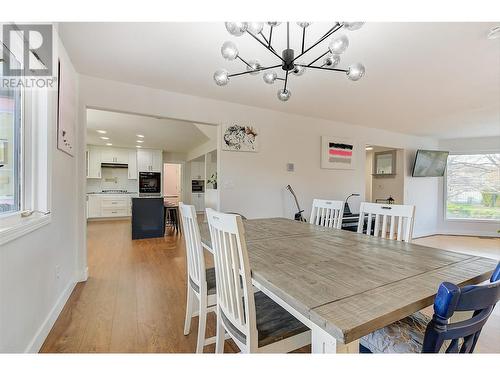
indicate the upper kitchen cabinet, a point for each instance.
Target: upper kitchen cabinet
{"x":114,"y":155}
{"x":149,"y":160}
{"x":157,"y":160}
{"x":132,"y":164}
{"x":93,"y":155}
{"x":197,"y":170}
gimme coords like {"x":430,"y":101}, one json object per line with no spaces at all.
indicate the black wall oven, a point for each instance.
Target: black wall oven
{"x":149,"y":182}
{"x":198,"y":186}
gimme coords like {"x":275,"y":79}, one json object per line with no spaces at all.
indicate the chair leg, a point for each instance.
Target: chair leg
{"x":220,"y":335}
{"x":202,"y":324}
{"x":189,"y":310}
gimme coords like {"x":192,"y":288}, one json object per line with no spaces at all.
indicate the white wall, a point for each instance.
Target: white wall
{"x":253,"y":183}
{"x":478,"y":228}
{"x":31,"y":295}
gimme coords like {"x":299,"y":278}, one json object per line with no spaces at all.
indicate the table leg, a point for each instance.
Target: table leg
{"x":322,"y":342}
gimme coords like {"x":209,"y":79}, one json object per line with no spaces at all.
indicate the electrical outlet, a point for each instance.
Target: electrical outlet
{"x":58,"y":272}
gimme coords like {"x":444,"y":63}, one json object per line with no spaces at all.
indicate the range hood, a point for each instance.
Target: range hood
{"x":113,"y":165}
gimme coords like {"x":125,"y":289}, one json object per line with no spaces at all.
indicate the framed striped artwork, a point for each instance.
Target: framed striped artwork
{"x":338,"y":153}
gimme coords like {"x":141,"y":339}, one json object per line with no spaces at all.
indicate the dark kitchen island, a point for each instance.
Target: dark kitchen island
{"x":148,"y":218}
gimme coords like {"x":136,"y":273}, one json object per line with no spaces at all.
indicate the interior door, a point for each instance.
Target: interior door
{"x":172,"y":182}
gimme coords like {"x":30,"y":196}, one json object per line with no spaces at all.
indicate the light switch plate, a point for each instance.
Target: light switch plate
{"x":290,"y":167}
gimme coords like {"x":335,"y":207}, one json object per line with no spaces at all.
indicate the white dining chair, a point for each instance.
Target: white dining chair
{"x":201,"y":287}
{"x":390,"y":220}
{"x":254,"y":321}
{"x":327,"y":213}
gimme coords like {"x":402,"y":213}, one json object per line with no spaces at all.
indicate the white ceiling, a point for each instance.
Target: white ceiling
{"x":430,"y":79}
{"x":163,"y":134}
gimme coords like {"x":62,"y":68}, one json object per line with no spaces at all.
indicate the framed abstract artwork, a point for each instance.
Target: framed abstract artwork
{"x":240,"y":138}
{"x":338,"y":153}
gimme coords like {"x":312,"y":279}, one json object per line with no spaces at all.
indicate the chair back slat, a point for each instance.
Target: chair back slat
{"x":327,"y":213}
{"x":480,"y":299}
{"x":194,"y":250}
{"x":382,"y":215}
{"x":453,"y":347}
{"x":392,"y":227}
{"x":377,"y":224}
{"x":232,"y":270}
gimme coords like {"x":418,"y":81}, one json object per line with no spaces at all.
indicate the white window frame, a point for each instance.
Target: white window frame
{"x":38,"y":116}
{"x":445,"y":192}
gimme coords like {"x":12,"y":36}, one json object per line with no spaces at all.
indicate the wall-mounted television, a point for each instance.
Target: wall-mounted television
{"x":430,"y":163}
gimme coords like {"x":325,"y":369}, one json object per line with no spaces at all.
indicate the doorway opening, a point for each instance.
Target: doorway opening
{"x":133,"y":156}
{"x":384,"y":175}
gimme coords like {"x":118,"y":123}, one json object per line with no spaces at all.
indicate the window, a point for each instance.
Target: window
{"x":473,"y":186}
{"x":10,"y":150}
{"x":26,"y":119}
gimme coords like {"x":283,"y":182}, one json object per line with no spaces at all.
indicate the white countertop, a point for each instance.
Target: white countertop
{"x":101,"y":193}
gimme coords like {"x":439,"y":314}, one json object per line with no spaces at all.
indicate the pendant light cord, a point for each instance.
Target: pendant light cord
{"x":288,"y":35}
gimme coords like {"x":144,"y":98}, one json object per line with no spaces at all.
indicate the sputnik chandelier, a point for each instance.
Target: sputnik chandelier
{"x":287,"y":61}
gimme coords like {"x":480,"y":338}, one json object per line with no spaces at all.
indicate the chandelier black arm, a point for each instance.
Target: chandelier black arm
{"x":286,"y":80}
{"x":247,"y":64}
{"x":251,"y":71}
{"x":321,"y":68}
{"x":270,"y":36}
{"x":316,"y":59}
{"x":266,"y":47}
{"x":267,"y":41}
{"x":328,"y":33}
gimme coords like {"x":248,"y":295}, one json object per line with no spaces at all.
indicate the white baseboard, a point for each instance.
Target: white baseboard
{"x":42,"y":333}
{"x":424,"y":234}
{"x":456,"y":233}
{"x":83,"y":275}
{"x":469,"y":233}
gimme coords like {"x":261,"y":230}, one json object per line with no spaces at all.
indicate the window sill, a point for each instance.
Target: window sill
{"x":469,"y":220}
{"x":15,"y":226}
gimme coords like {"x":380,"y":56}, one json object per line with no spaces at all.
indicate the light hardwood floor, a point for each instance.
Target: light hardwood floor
{"x":134,"y":299}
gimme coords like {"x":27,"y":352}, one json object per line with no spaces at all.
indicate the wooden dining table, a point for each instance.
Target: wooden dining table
{"x":344,"y":285}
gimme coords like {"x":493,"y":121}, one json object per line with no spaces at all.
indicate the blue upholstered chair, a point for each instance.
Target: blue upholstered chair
{"x":419,"y":333}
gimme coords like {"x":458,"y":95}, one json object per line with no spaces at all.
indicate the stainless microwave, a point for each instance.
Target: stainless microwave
{"x":149,"y":182}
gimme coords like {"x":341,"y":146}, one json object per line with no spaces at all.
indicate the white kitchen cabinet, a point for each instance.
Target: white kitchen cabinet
{"x":157,"y":164}
{"x":93,"y":206}
{"x":108,"y":206}
{"x":197,"y":170}
{"x":114,"y":155}
{"x":93,"y":155}
{"x":143,"y":160}
{"x":198,"y":201}
{"x":114,"y":206}
{"x":149,"y":160}
{"x":132,"y":165}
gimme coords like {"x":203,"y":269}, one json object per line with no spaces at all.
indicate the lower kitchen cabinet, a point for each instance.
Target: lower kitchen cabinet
{"x":108,"y":206}
{"x":198,"y":201}
{"x":93,"y":206}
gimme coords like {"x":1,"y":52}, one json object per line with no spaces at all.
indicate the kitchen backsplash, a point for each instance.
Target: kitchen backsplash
{"x":112,"y":179}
